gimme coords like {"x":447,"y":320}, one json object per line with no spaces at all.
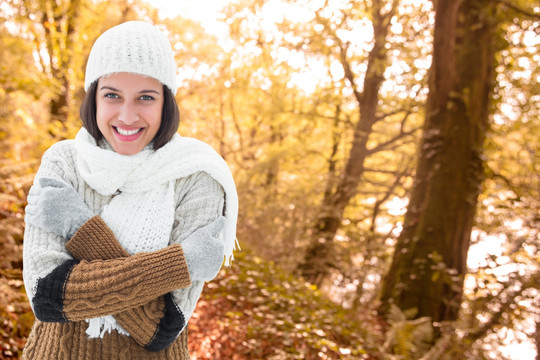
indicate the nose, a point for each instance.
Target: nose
{"x":128,"y":113}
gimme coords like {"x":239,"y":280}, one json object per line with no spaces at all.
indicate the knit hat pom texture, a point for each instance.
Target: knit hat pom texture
{"x":133,"y":47}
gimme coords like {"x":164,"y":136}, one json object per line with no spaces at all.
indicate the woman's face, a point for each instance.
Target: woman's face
{"x":128,"y":110}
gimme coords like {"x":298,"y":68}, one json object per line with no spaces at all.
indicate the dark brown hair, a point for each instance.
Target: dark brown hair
{"x":170,"y":116}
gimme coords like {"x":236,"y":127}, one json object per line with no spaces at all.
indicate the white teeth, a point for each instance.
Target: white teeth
{"x":127,"y":132}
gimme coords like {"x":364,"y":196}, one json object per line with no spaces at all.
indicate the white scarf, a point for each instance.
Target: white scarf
{"x":141,"y":214}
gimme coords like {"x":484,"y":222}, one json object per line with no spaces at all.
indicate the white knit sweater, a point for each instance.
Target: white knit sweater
{"x":198,"y":200}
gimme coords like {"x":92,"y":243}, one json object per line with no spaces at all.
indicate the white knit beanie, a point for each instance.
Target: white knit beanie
{"x":134,"y":47}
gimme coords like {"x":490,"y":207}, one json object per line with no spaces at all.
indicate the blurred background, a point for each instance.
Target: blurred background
{"x":386,"y":155}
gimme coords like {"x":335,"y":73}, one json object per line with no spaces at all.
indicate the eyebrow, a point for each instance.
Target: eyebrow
{"x":140,"y":92}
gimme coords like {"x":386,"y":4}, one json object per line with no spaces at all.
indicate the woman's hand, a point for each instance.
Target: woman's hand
{"x":55,"y":206}
{"x":204,"y":251}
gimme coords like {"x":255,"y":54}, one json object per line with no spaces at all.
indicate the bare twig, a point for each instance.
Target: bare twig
{"x":520,"y":10}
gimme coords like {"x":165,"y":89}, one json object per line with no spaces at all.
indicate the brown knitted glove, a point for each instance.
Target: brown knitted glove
{"x":95,"y":241}
{"x":82,"y":290}
{"x":153,"y":325}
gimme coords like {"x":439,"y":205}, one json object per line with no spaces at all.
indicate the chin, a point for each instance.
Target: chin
{"x":128,"y":150}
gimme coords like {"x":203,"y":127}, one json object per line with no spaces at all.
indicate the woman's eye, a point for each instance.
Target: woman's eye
{"x":111,"y":96}
{"x":147,"y":97}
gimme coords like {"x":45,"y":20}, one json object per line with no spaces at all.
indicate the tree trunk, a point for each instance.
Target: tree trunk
{"x":318,"y":259}
{"x":429,"y":263}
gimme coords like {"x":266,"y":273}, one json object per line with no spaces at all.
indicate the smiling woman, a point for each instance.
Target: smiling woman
{"x":125,"y":223}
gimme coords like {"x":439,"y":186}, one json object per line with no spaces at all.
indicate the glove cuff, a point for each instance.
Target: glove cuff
{"x":95,"y":240}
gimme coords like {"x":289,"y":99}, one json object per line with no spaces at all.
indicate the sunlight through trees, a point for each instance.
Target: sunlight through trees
{"x":385,"y":154}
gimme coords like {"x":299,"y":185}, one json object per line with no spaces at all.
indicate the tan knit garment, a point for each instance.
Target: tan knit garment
{"x":93,"y":290}
{"x":54,"y":341}
{"x":69,"y":341}
{"x":95,"y":241}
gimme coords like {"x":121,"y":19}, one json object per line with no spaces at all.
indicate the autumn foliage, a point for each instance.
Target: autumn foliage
{"x":322,"y":110}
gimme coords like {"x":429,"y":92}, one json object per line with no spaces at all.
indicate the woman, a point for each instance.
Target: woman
{"x":125,"y":223}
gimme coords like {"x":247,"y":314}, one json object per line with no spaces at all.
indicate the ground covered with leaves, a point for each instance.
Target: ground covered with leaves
{"x":254,"y":310}
{"x":16,"y":316}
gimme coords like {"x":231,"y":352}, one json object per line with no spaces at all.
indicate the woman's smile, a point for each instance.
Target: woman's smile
{"x":126,"y":133}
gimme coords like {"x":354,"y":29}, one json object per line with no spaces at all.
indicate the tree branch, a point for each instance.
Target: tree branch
{"x":386,"y":196}
{"x":402,"y":134}
{"x":349,"y":75}
{"x":519,"y":10}
{"x":506,"y":299}
{"x":343,"y":47}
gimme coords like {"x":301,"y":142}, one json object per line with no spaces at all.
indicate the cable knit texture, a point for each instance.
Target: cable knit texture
{"x":198,"y":199}
{"x":54,"y":341}
{"x":103,"y":287}
{"x":154,"y":325}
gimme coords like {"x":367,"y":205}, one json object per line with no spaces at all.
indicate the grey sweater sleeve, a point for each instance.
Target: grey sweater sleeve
{"x":199,"y":202}
{"x":43,"y":251}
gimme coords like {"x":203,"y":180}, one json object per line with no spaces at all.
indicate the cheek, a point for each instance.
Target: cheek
{"x":101,"y":116}
{"x":153,"y":116}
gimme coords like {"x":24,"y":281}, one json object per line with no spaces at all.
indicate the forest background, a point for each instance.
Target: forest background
{"x":385,"y":153}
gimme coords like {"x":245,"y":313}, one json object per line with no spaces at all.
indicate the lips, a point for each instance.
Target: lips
{"x":127,"y":134}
